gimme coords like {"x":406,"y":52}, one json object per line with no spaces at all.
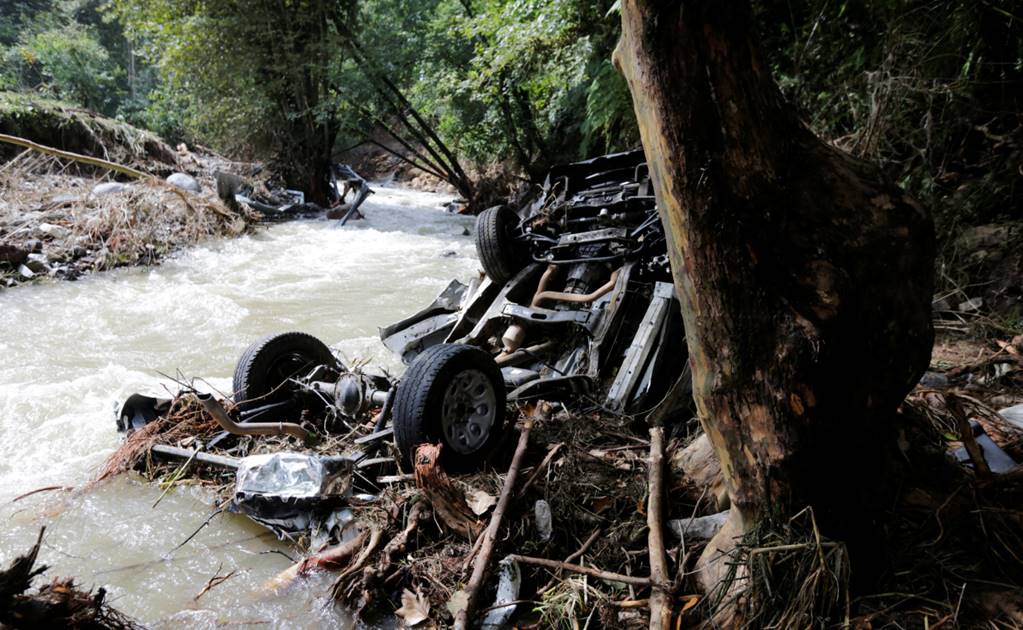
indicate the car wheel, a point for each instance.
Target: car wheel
{"x":453,"y":394}
{"x":501,"y":256}
{"x":262,"y":374}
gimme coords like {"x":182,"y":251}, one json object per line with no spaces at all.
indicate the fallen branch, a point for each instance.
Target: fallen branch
{"x":214,"y":582}
{"x":543,"y":466}
{"x":607,"y":576}
{"x":660,"y":599}
{"x":576,"y":554}
{"x":76,"y":157}
{"x":980,"y":464}
{"x":490,"y":535}
{"x":38,"y":490}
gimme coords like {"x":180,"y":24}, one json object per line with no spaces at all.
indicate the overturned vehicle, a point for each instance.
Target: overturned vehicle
{"x":576,"y":306}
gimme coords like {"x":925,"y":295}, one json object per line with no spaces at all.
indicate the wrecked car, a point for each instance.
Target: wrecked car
{"x":576,"y":306}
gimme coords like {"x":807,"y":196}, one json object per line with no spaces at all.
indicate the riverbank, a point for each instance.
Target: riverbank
{"x":60,"y":219}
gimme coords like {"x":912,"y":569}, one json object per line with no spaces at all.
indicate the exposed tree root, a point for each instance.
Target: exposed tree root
{"x":59,"y":604}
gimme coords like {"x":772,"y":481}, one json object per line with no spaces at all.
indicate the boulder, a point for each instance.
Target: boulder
{"x":184,"y":182}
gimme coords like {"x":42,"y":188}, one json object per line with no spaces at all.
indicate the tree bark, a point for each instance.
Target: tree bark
{"x":804,"y":274}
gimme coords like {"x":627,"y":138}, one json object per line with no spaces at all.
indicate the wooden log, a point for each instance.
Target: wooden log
{"x":479,"y":571}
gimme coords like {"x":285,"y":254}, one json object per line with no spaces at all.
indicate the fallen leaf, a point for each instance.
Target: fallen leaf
{"x":480,"y":501}
{"x":459,"y":601}
{"x":415,"y":608}
{"x":602,"y":504}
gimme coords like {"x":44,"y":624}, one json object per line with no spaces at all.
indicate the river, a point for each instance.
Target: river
{"x":71,"y":349}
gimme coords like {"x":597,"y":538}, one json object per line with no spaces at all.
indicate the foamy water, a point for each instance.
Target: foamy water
{"x":70,"y":350}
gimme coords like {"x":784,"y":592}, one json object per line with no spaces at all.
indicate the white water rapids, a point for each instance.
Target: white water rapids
{"x":69,"y":350}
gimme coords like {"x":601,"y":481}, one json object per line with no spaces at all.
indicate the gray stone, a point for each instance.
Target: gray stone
{"x":109,"y":188}
{"x":971,"y":305}
{"x":26,"y":273}
{"x":38,"y":263}
{"x":934,"y":380}
{"x":184,"y":182}
{"x":65,"y":198}
{"x":699,"y":528}
{"x":55,"y":231}
{"x":1014,"y":415}
{"x":544,"y":520}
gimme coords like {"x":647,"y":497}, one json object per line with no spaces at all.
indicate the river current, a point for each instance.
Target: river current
{"x":70,"y":350}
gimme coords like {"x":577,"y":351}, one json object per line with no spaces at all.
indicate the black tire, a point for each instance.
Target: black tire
{"x":262,"y":372}
{"x":419,"y":404}
{"x":501,"y":255}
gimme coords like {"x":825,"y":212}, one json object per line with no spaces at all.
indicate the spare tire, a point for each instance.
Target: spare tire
{"x":262,"y":374}
{"x":501,"y":255}
{"x":453,"y":394}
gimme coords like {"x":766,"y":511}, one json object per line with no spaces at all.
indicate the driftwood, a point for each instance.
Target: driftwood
{"x":490,"y":535}
{"x":700,"y":472}
{"x":448,"y":502}
{"x":332,"y":558}
{"x":373,"y":576}
{"x":660,"y":599}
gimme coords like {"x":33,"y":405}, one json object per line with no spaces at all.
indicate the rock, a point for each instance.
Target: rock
{"x":13,"y":255}
{"x":64,"y":199}
{"x":1014,"y":415}
{"x":55,"y":231}
{"x":934,"y":380}
{"x":699,"y":528}
{"x":544,"y":520}
{"x":109,"y":188}
{"x":466,"y":232}
{"x":184,"y":182}
{"x":449,"y":254}
{"x":26,"y":273}
{"x":34,"y":245}
{"x":38,"y":263}
{"x":971,"y":305}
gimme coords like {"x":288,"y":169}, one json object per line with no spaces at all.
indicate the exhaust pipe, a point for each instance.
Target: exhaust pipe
{"x":217,"y":411}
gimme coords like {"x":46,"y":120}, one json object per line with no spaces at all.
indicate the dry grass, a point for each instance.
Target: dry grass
{"x":49,"y":206}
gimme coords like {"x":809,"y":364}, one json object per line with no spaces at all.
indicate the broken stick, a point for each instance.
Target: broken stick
{"x":448,"y":501}
{"x":479,"y":570}
{"x":660,"y":599}
{"x":607,"y":576}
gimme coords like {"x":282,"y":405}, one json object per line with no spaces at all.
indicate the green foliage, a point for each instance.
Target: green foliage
{"x":931,"y":90}
{"x":504,"y":79}
{"x":257,"y":77}
{"x":66,"y":62}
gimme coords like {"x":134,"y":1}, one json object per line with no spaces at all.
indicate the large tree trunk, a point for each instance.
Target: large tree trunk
{"x":805,"y":276}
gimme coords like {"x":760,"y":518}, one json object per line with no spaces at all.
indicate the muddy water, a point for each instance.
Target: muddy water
{"x":70,"y":350}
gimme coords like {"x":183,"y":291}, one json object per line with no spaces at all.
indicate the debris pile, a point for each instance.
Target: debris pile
{"x":60,"y":220}
{"x":59,"y":604}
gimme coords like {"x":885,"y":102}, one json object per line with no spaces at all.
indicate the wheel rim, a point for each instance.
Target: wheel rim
{"x":469,"y":411}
